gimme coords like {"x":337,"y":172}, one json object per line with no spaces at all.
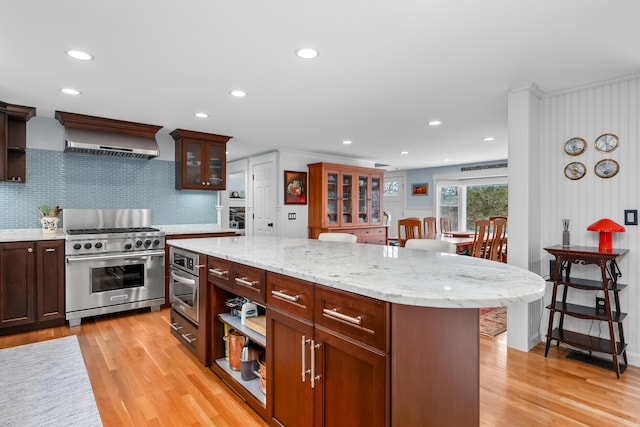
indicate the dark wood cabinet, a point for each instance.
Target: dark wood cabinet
{"x":346,"y":199}
{"x":17,"y":273}
{"x":608,"y":313}
{"x":201,"y":160}
{"x":13,"y":141}
{"x":50,"y":303}
{"x":32,"y":285}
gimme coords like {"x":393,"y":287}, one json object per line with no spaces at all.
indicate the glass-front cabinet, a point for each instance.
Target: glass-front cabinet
{"x":200,"y":160}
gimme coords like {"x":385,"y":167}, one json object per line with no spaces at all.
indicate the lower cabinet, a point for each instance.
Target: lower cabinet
{"x":32,"y":285}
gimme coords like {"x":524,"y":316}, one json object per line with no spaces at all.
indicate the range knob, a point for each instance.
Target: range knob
{"x":147,"y":243}
{"x":77,"y":246}
{"x":87,"y":245}
{"x":138,"y":243}
{"x":98,"y":245}
{"x":156,"y":242}
{"x":127,"y":246}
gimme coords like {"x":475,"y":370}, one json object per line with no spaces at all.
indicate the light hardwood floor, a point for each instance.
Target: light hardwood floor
{"x":142,"y":376}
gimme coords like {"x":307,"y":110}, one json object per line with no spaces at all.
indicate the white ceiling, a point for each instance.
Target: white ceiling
{"x":385,"y":67}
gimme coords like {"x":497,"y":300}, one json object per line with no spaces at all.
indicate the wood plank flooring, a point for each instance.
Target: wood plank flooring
{"x":142,"y":376}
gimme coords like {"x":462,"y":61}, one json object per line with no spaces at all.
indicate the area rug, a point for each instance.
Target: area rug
{"x":493,"y":321}
{"x":46,"y":384}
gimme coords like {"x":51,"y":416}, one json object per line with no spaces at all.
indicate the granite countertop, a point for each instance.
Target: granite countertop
{"x":388,"y":273}
{"x":35,"y":234}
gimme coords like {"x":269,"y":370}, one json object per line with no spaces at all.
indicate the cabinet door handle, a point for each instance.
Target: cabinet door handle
{"x":175,"y":326}
{"x":218,"y":272}
{"x":334,"y":313}
{"x":244,"y":281}
{"x":187,"y":339}
{"x":50,"y":250}
{"x":314,"y":377}
{"x":281,"y":294}
{"x":29,"y":250}
{"x":304,"y":357}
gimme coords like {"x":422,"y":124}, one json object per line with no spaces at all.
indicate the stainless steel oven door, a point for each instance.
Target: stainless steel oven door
{"x":96,"y":282}
{"x":183,"y":291}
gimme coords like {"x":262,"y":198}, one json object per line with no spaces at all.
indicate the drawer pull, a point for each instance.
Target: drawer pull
{"x":50,"y":250}
{"x":334,"y":313}
{"x":187,"y":339}
{"x":175,"y":326}
{"x":244,"y":281}
{"x":218,"y":272}
{"x":281,"y":294}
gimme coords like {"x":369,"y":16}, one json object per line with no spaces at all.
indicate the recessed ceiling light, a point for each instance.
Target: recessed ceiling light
{"x":307,"y":53}
{"x":489,"y":138}
{"x":70,"y":91}
{"x":346,"y":142}
{"x":404,"y":152}
{"x":238,"y":93}
{"x":435,"y":123}
{"x":446,"y":160}
{"x":201,"y":115}
{"x":80,"y":55}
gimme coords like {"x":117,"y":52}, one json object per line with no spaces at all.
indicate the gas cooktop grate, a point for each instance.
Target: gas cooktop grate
{"x":112,"y":230}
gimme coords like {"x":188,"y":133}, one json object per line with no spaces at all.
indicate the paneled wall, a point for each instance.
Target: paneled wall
{"x":587,"y":112}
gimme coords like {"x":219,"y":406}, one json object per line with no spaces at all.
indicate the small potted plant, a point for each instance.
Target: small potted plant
{"x":49,"y":219}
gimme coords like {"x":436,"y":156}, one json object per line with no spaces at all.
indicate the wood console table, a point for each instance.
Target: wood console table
{"x":609,"y":312}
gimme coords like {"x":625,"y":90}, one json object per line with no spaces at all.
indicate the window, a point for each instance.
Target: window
{"x":391,"y":188}
{"x":464,"y":201}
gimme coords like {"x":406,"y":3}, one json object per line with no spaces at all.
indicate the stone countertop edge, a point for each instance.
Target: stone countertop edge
{"x":387,"y":273}
{"x":36,"y":234}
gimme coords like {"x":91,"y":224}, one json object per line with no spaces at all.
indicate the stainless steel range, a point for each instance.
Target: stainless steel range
{"x":114,"y":262}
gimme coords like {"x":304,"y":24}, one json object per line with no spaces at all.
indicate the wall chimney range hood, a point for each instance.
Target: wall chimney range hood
{"x":108,"y":137}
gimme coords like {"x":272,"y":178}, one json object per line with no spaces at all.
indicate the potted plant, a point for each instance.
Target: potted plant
{"x":49,"y":219}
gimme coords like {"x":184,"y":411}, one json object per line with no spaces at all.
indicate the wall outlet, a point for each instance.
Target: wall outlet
{"x":292,"y":215}
{"x":600,"y":305}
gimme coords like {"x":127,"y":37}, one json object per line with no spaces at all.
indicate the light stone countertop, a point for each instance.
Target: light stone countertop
{"x":28,"y":235}
{"x":388,"y":273}
{"x":194,"y":228}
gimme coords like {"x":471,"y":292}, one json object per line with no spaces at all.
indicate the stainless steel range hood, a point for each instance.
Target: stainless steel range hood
{"x":108,"y":137}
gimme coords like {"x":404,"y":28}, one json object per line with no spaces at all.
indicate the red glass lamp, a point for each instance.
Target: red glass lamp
{"x":605,"y":226}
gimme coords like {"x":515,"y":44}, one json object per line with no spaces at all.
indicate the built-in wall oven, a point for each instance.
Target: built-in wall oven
{"x":184,"y":283}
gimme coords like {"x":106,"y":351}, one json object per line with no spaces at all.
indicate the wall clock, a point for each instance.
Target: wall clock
{"x":607,"y":142}
{"x":606,"y":168}
{"x":575,"y":146}
{"x":575,"y":170}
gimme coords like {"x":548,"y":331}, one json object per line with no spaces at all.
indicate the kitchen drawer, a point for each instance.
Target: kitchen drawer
{"x":291,"y":295}
{"x":219,"y":272}
{"x":186,"y":332}
{"x":249,"y":282}
{"x":361,"y":318}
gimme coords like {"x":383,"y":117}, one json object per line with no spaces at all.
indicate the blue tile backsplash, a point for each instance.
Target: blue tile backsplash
{"x":81,"y":181}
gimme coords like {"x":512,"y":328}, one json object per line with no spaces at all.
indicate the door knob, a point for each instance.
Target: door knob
{"x":270,"y":224}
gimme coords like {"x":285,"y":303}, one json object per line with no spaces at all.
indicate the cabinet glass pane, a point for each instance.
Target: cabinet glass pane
{"x":332,"y":198}
{"x":363,"y":191}
{"x":215,"y":172}
{"x":193,"y":155}
{"x":375,"y":199}
{"x":347,"y":199}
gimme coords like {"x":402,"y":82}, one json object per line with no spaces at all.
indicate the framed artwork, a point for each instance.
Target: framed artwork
{"x":295,"y":188}
{"x":421,"y":189}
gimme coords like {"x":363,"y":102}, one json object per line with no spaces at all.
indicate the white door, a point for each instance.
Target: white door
{"x":393,"y":199}
{"x":264,"y":197}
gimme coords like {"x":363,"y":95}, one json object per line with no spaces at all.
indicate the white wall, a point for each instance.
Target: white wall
{"x":587,"y":112}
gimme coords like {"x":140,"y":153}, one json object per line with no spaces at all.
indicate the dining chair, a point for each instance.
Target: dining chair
{"x":431,"y":245}
{"x":445,"y":225}
{"x":430,"y":229}
{"x":479,"y":248}
{"x":498,"y":246}
{"x":409,"y":228}
{"x":338,"y":237}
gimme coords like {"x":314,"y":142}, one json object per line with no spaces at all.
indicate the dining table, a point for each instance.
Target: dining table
{"x":463,"y":241}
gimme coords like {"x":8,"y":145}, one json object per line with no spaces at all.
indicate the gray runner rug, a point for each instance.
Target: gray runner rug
{"x":46,"y":384}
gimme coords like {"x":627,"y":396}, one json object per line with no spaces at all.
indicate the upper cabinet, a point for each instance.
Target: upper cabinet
{"x":13,"y":141}
{"x":200,"y":160}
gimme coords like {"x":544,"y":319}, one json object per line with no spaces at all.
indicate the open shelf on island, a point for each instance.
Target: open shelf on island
{"x":252,"y":385}
{"x":234,"y":322}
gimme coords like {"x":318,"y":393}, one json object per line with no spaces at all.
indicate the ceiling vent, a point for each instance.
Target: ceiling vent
{"x":108,"y":137}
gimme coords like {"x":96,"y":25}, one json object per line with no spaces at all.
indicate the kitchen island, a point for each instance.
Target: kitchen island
{"x":430,"y":340}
